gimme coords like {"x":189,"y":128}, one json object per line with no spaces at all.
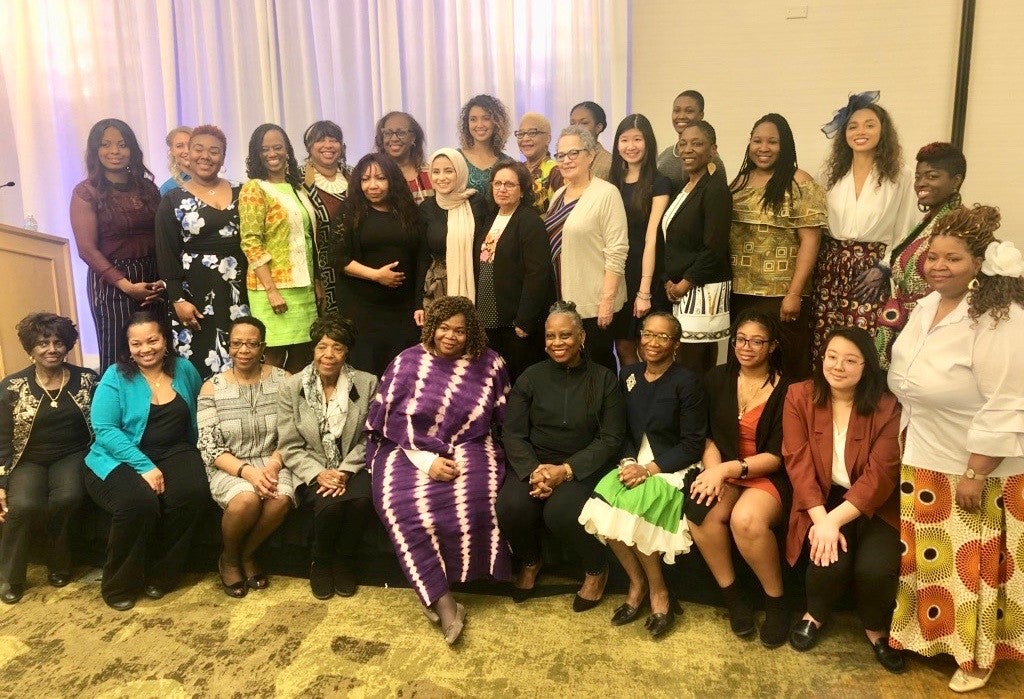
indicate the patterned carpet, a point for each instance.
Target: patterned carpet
{"x":196,"y":642}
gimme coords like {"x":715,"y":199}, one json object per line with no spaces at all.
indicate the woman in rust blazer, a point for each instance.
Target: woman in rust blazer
{"x":840,"y":445}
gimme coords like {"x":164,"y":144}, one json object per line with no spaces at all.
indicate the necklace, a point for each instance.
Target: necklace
{"x":745,"y":397}
{"x":64,"y":376}
{"x":155,"y":383}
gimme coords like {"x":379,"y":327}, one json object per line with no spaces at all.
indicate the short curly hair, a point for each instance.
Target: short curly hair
{"x":495,"y":109}
{"x":335,"y":326}
{"x":38,"y":326}
{"x":448,"y":307}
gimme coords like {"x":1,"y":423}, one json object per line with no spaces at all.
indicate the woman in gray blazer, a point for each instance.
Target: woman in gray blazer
{"x":321,"y":414}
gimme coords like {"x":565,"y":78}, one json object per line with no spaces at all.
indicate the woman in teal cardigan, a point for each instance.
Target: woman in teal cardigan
{"x":144,"y":467}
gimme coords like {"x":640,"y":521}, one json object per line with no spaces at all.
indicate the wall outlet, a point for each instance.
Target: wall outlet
{"x":796,"y":12}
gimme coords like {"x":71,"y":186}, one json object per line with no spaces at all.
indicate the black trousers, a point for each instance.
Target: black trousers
{"x":521,"y":516}
{"x":871,"y":563}
{"x":34,"y":492}
{"x":600,"y":344}
{"x":150,"y":534}
{"x":384,"y":331}
{"x":339,"y":523}
{"x":518,"y":352}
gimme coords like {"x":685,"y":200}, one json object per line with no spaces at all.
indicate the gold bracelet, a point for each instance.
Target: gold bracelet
{"x":568,"y":472}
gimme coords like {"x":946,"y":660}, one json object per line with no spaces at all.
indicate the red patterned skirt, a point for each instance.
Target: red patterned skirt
{"x":960,"y":591}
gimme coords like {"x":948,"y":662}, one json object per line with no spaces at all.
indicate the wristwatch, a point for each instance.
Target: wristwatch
{"x":973,"y":475}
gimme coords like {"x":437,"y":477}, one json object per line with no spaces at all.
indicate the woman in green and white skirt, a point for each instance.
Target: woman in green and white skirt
{"x":638,"y":508}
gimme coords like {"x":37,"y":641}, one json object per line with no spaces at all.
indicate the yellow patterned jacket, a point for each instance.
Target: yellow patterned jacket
{"x":273,"y":232}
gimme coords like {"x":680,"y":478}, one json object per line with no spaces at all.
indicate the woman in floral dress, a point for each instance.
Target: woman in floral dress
{"x":199,"y":256}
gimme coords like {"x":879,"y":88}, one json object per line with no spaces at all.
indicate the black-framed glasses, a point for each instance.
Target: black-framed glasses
{"x":248,"y":344}
{"x":569,"y":155}
{"x":529,"y":133}
{"x":751,"y":342}
{"x":657,"y":338}
{"x":400,"y":134}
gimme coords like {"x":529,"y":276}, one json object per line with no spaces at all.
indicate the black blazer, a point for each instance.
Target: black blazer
{"x":696,"y":242}
{"x":524,"y":283}
{"x":672,"y":413}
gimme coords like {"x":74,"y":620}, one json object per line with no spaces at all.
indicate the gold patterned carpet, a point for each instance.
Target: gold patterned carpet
{"x":281,"y":642}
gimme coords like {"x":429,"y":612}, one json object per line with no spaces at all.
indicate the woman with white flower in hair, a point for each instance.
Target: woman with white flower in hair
{"x":199,"y":255}
{"x":958,"y":371}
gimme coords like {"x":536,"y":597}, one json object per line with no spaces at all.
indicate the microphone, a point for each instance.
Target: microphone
{"x":9,"y":183}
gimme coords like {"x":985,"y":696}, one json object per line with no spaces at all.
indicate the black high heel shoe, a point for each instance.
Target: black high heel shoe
{"x":582,"y":604}
{"x":237,"y":590}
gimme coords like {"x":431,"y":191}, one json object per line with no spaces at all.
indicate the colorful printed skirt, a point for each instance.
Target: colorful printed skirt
{"x":649,"y":516}
{"x":960,"y":591}
{"x":840,"y":264}
{"x":703,"y":311}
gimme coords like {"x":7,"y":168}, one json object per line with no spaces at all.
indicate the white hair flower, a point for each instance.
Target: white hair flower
{"x":1003,"y":260}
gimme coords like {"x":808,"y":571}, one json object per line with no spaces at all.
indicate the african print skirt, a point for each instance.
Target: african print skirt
{"x":960,"y":591}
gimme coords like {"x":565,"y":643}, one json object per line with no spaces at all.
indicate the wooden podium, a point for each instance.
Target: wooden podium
{"x":35,"y":275}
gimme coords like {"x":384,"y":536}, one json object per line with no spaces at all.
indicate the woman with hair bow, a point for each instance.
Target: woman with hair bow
{"x":870,"y":201}
{"x":958,"y":371}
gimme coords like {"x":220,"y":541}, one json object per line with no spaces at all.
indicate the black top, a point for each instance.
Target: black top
{"x":724,"y":425}
{"x":166,"y":430}
{"x":557,"y":415}
{"x":436,"y":223}
{"x":696,"y":242}
{"x":671,"y":411}
{"x":380,"y":240}
{"x":56,"y":432}
{"x":636,"y":222}
{"x":524,"y":282}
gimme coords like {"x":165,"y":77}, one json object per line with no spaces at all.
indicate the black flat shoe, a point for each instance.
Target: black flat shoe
{"x":804,"y":635}
{"x":741,"y":614}
{"x":154,"y":591}
{"x":521,"y":594}
{"x":775,"y":628}
{"x":321,"y":581}
{"x":659,"y":624}
{"x":58,"y":579}
{"x":344,"y":580}
{"x":625,"y":614}
{"x":235,"y":590}
{"x":888,"y":657}
{"x":122,"y":605}
{"x":11,"y":594}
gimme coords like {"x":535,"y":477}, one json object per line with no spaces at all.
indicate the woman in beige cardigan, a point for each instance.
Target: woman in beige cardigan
{"x":586,"y":225}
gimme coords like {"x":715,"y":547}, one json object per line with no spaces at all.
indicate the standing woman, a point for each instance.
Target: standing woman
{"x":400,"y":138}
{"x":144,"y":468}
{"x":645,"y":194}
{"x":534,"y":140}
{"x":277,"y":237}
{"x":200,"y":258}
{"x":112,"y":215}
{"x":778,"y":212}
{"x":177,"y":158}
{"x":698,"y":278}
{"x":484,"y":126}
{"x":958,"y":370}
{"x":590,"y":116}
{"x":383,"y":259}
{"x":452,"y":219}
{"x":941,"y":169}
{"x":742,"y":495}
{"x":326,"y":183}
{"x":44,"y":434}
{"x":587,"y":231}
{"x":841,"y":447}
{"x":687,"y":108}
{"x":870,"y":208}
{"x":515,"y":284}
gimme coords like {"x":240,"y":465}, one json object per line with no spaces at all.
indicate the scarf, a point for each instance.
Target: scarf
{"x":313,"y":390}
{"x":461,"y":227}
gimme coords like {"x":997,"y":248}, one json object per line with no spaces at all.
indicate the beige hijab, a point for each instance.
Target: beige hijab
{"x":461,"y":226}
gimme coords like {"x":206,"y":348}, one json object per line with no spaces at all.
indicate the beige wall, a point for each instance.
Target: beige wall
{"x":748,"y":59}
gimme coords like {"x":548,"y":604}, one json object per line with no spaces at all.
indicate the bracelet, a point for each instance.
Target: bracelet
{"x":642,"y":296}
{"x":568,"y":472}
{"x":647,"y":471}
{"x":241,"y":468}
{"x":744,"y":469}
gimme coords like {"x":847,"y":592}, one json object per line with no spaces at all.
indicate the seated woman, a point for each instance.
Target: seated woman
{"x":44,"y":434}
{"x":321,"y":411}
{"x":238,"y":441}
{"x":436,"y":465}
{"x":563,"y":431}
{"x":144,"y":468}
{"x":743,"y":493}
{"x":841,"y":447}
{"x":640,"y":518}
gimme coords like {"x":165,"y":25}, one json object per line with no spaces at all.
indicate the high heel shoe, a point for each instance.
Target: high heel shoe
{"x":582,"y":604}
{"x":966,"y":682}
{"x":237,"y":590}
{"x":454,"y":630}
{"x":521,"y":594}
{"x":626,"y":613}
{"x":659,"y":624}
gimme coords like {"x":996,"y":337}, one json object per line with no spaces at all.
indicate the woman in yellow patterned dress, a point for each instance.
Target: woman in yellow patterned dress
{"x":778,"y":212}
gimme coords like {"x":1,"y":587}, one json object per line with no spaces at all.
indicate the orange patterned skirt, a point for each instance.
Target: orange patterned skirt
{"x":960,"y":590}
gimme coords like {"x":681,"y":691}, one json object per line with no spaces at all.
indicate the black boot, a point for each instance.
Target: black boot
{"x":775,"y":628}
{"x":741,"y":614}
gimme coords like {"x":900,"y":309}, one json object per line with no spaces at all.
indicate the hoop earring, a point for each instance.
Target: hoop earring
{"x":973,"y":285}
{"x":923,"y":208}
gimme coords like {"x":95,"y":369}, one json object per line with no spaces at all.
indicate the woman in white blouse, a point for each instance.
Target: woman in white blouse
{"x":958,"y":371}
{"x":870,"y":208}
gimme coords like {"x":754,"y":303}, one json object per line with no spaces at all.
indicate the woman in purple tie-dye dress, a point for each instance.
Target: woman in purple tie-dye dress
{"x":436,"y":467}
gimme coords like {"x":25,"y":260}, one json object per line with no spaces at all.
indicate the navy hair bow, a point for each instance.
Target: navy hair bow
{"x":858,"y":101}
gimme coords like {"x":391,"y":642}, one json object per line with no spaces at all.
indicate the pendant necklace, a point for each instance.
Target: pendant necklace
{"x":54,"y":397}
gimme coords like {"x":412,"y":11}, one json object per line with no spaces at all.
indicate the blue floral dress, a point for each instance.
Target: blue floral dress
{"x":199,"y":256}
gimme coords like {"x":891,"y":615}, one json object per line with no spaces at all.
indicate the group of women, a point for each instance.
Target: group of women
{"x":445,"y":268}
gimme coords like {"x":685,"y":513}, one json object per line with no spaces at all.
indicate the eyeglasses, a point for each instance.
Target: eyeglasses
{"x":657,"y":338}
{"x":569,"y":155}
{"x":845,"y":362}
{"x":498,"y":184}
{"x":248,"y":344}
{"x":529,"y":133}
{"x":751,"y":342}
{"x":400,"y":134}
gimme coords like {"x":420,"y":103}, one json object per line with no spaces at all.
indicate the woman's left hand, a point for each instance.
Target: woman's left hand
{"x":968,"y":493}
{"x":332,"y":482}
{"x":826,"y":540}
{"x":790,"y":308}
{"x":633,"y":474}
{"x":708,"y":485}
{"x":604,"y":313}
{"x":869,"y":285}
{"x":641,"y":307}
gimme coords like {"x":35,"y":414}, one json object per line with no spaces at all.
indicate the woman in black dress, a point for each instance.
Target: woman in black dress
{"x":199,"y":256}
{"x":383,"y":257}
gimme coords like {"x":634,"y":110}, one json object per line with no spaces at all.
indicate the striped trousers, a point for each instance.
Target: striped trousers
{"x":111,"y":308}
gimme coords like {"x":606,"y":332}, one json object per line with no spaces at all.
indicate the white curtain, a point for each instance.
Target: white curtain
{"x":65,"y":64}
